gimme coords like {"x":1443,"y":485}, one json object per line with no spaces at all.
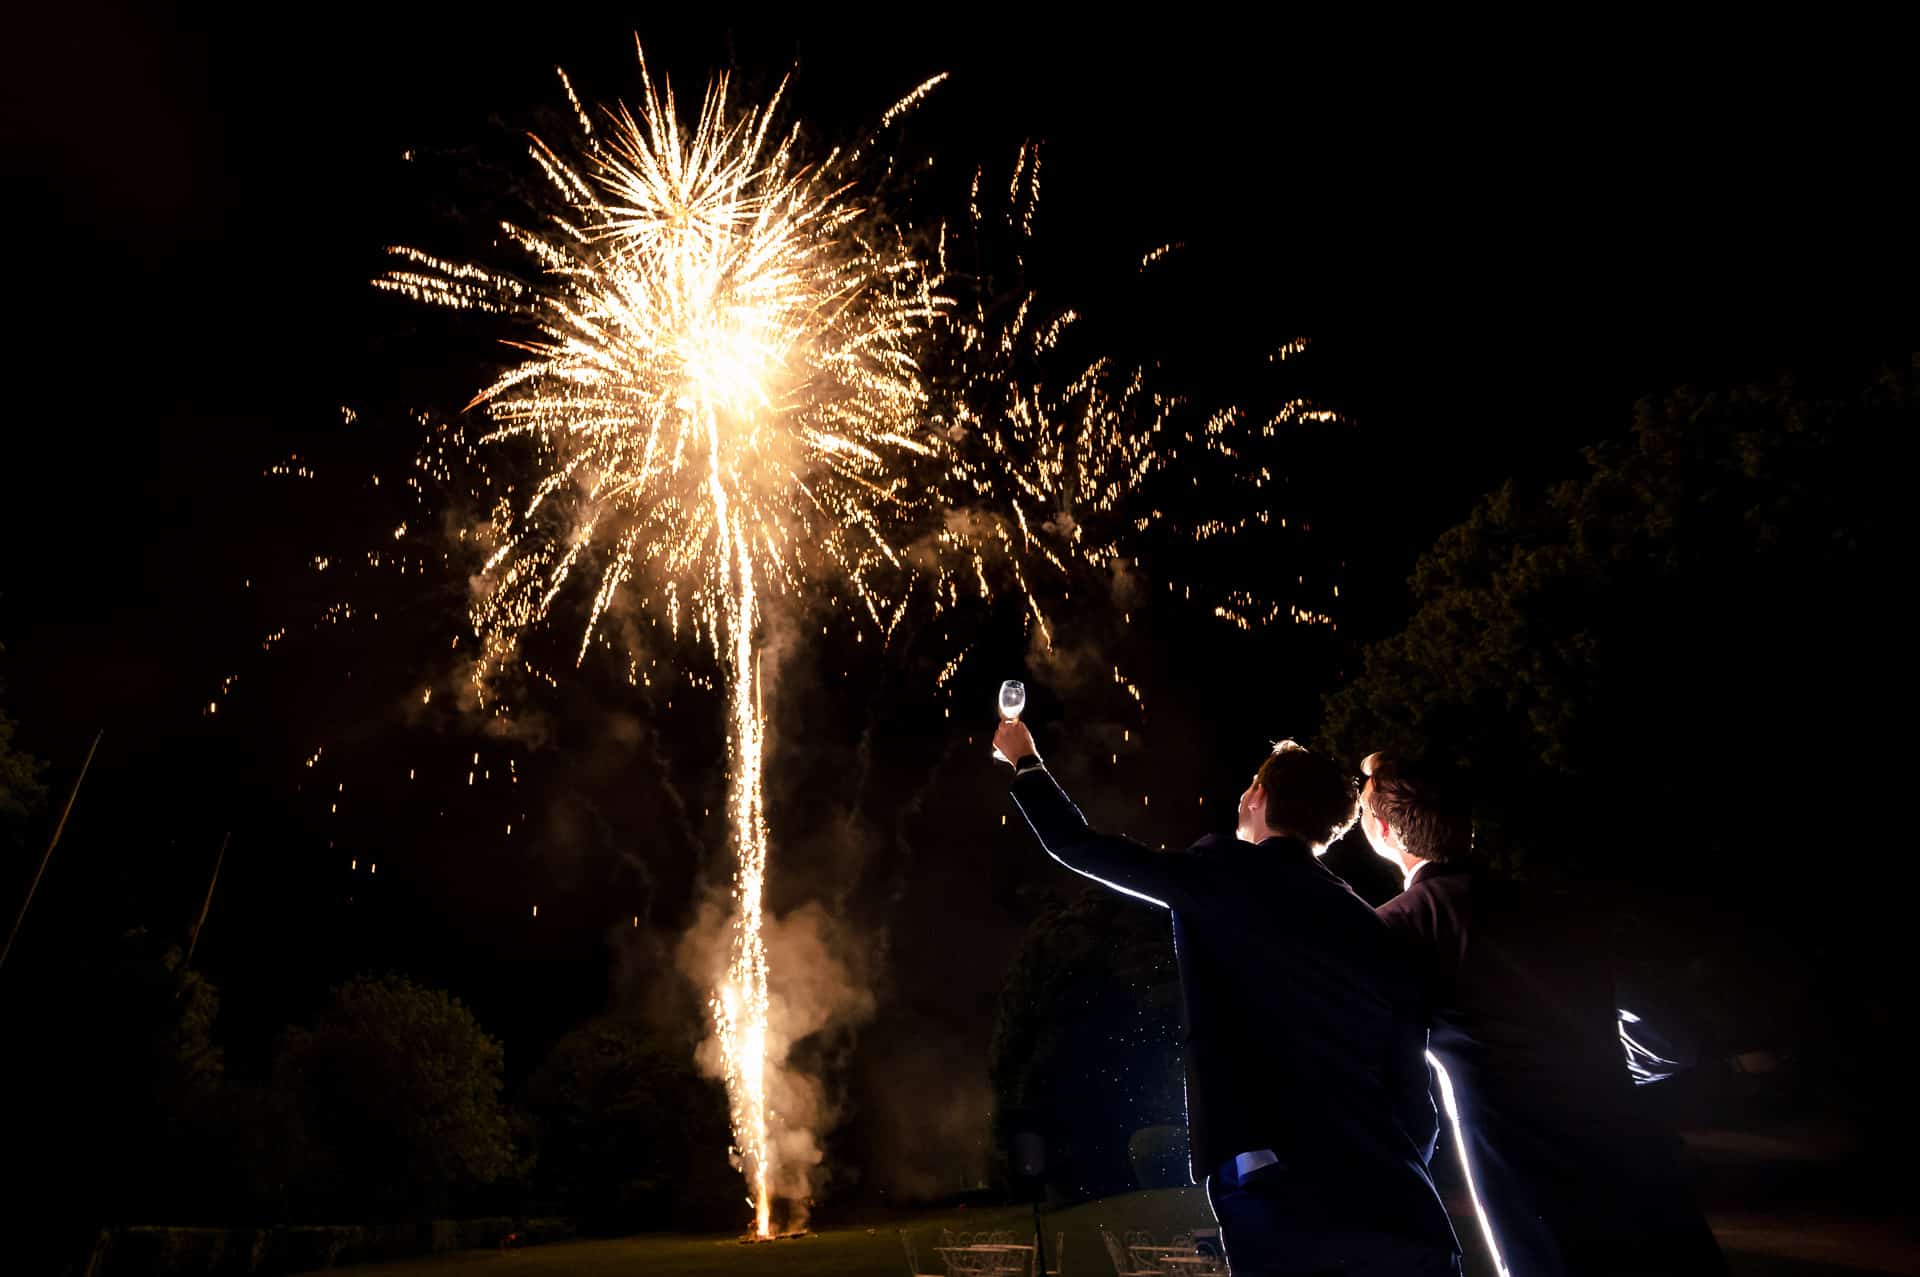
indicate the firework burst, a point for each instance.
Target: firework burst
{"x":720,"y":389}
{"x":737,"y":380}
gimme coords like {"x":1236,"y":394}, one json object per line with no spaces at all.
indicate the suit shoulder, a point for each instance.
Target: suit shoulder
{"x":1421,"y":901}
{"x":1402,"y":907}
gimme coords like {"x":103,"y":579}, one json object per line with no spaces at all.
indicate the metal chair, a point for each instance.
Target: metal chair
{"x":1055,"y":1257}
{"x":1124,"y":1263}
{"x":961,"y":1262}
{"x":913,"y":1258}
{"x":1018,"y":1263}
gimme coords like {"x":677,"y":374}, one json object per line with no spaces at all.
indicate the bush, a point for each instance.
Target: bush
{"x":630,"y":1137}
{"x":397,"y":1090}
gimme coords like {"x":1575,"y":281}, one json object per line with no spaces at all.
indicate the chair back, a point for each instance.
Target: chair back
{"x":1115,"y":1252}
{"x":913,"y":1259}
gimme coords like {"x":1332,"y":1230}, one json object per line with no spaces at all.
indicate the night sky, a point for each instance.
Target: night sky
{"x":1496,"y":237}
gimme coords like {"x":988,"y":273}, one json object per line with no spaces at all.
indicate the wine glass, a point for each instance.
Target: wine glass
{"x":1013,"y":699}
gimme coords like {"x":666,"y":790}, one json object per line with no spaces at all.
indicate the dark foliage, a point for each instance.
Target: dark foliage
{"x":116,"y":1085}
{"x":1088,"y":1035}
{"x":1675,"y":673}
{"x":1664,"y":659}
{"x":21,"y":792}
{"x":629,"y":1135}
{"x":397,"y":1089}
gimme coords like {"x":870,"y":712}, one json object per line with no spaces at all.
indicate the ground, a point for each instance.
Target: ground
{"x":1757,"y":1246}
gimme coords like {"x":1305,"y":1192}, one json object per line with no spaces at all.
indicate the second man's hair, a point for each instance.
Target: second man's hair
{"x":1424,"y":805}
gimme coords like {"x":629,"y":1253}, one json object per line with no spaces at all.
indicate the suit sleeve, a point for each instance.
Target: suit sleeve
{"x":1418,"y":931}
{"x":1418,"y":1115}
{"x":1121,"y":863}
{"x":1410,"y":920}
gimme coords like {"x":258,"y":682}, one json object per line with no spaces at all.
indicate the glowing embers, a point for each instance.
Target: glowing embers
{"x":732,"y":360}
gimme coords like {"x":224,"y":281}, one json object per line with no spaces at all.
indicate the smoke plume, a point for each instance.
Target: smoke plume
{"x":819,"y":993}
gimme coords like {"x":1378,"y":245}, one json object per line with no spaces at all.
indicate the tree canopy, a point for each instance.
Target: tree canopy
{"x":1676,"y":636}
{"x":400,"y":1088}
{"x":21,"y":792}
{"x":629,"y":1134}
{"x":1678,"y":669}
{"x":1088,"y":1034}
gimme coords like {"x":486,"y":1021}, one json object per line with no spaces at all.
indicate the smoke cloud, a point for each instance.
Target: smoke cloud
{"x":819,"y":992}
{"x":928,"y":1111}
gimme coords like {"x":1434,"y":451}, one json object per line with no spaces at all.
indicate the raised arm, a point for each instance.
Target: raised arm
{"x":1120,"y":863}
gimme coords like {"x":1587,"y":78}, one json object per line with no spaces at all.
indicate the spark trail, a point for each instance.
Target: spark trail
{"x":719,"y":381}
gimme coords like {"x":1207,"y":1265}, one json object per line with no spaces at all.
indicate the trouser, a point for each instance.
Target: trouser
{"x":1278,"y":1223}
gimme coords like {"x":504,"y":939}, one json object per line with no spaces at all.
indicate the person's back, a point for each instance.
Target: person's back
{"x":1302,"y":1023}
{"x":1570,"y":1175}
{"x":1307,"y":1105}
{"x":1525,"y":1009}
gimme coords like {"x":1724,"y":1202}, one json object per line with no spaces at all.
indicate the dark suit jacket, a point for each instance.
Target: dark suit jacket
{"x":1302,"y":1026}
{"x":1519,"y":987}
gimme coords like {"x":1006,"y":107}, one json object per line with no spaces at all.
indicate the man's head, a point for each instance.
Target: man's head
{"x":1413,"y":811}
{"x":1298,"y":794}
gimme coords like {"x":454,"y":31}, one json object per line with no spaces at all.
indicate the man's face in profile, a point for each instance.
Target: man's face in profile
{"x":1377,"y":837}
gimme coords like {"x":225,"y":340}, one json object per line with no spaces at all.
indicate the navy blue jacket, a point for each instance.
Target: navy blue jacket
{"x":1518,"y":982}
{"x":1303,"y":1029}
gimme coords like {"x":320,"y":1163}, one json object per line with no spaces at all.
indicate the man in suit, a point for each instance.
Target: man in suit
{"x":1568,"y":1175}
{"x":1308,"y":1115}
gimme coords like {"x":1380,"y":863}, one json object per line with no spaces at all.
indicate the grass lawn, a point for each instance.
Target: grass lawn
{"x":842,"y":1252}
{"x":1803,"y":1246}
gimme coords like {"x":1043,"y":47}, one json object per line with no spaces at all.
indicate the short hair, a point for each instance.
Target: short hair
{"x":1424,"y":804}
{"x":1308,"y":795}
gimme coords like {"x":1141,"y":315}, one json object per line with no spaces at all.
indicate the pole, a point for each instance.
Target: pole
{"x":51,"y":844}
{"x":193,"y":937}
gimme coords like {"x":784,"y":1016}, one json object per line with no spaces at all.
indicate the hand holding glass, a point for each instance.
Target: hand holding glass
{"x":1013,"y":699}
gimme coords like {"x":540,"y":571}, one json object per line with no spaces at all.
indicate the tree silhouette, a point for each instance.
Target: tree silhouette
{"x":1088,"y":1034}
{"x":630,"y":1136}
{"x":1679,"y":669}
{"x":398,"y":1088}
{"x":1678,"y":635}
{"x":21,"y":792}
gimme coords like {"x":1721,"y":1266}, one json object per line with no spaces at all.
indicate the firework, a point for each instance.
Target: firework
{"x":722,"y":391}
{"x":739,"y":381}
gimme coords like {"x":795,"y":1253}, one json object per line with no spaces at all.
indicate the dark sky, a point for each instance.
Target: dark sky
{"x":1498,"y":236}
